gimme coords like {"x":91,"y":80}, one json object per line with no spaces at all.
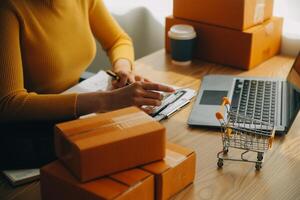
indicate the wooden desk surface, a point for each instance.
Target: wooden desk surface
{"x":278,"y":179}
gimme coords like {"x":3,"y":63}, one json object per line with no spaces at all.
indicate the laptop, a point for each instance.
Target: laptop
{"x":272,"y":100}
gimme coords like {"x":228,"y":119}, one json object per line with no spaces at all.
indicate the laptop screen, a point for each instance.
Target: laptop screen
{"x":293,"y":89}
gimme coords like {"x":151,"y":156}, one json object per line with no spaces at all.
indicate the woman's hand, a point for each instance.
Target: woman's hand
{"x":141,"y":92}
{"x":123,"y":69}
{"x":138,"y":94}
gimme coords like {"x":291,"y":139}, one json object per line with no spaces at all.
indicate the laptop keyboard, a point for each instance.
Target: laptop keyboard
{"x":255,"y":99}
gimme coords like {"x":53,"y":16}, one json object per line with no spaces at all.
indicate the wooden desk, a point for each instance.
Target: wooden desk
{"x":280,"y":175}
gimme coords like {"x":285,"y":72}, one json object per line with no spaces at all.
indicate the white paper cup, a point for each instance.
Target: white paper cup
{"x":182,"y":38}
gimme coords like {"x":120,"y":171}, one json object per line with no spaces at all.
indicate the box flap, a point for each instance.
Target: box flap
{"x":175,"y":154}
{"x":130,"y":177}
{"x":179,"y":149}
{"x":105,"y":188}
{"x":261,"y":27}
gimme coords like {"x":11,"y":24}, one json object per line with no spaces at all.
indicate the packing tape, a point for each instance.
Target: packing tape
{"x":259,"y":13}
{"x":131,"y":120}
{"x":269,"y":32}
{"x":173,"y":158}
{"x":269,"y":29}
{"x":116,"y":123}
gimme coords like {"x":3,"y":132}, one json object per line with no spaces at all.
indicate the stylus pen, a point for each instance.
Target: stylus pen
{"x":170,"y":100}
{"x":115,"y":76}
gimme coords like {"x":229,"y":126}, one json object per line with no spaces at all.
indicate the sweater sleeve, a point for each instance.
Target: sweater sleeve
{"x":111,"y":36}
{"x":16,"y":104}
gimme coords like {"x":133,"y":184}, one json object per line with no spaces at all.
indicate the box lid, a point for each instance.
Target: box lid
{"x":108,"y":127}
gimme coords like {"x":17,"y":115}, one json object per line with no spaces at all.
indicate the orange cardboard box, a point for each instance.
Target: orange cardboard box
{"x":235,"y":14}
{"x":109,"y":142}
{"x":58,"y":183}
{"x":174,"y":173}
{"x":242,"y":49}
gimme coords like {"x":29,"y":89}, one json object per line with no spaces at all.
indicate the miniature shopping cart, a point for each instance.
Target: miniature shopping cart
{"x":244,"y":133}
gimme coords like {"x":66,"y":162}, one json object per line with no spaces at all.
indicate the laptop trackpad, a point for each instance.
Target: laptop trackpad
{"x":209,"y":99}
{"x":212,"y":97}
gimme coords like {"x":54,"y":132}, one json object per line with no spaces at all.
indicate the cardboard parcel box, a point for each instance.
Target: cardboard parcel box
{"x":58,"y":183}
{"x":174,"y":173}
{"x":242,"y":49}
{"x":110,"y":142}
{"x":236,"y":14}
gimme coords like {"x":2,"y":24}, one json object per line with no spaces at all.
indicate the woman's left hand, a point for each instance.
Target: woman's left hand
{"x":123,"y":69}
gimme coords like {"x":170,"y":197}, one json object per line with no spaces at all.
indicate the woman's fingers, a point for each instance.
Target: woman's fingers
{"x":153,"y":95}
{"x":147,"y":80}
{"x":148,"y":109}
{"x":139,"y":78}
{"x":131,"y":78}
{"x":123,"y":79}
{"x":119,"y":83}
{"x":141,"y":94}
{"x":157,"y":87}
{"x":146,"y":102}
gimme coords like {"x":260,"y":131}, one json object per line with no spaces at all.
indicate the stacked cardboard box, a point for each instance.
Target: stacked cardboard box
{"x":110,"y":142}
{"x":240,"y":33}
{"x":174,"y":172}
{"x":116,"y":155}
{"x":58,"y":183}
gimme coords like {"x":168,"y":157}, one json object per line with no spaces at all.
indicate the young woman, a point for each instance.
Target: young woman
{"x":45,"y":45}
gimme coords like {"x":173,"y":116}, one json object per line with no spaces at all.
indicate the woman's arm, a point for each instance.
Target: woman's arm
{"x":107,"y":31}
{"x":15,"y":102}
{"x":115,"y":41}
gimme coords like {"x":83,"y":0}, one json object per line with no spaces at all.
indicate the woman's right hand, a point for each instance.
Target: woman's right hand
{"x":138,"y":94}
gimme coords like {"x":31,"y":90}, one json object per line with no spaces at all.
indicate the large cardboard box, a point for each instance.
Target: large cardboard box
{"x":110,"y":142}
{"x":236,"y":14}
{"x":174,"y":173}
{"x":243,"y":49}
{"x":58,"y":183}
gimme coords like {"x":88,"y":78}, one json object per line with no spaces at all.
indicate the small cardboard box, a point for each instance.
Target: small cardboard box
{"x":110,"y":142}
{"x":235,"y":14}
{"x":242,"y":49}
{"x":174,"y":173}
{"x":58,"y":183}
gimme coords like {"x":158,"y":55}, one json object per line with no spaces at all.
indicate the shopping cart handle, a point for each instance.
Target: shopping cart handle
{"x":226,"y":101}
{"x":219,"y":116}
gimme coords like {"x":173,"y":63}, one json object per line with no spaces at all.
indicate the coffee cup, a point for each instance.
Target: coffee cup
{"x":182,"y":39}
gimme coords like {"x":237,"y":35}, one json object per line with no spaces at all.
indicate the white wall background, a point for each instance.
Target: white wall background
{"x":290,"y":10}
{"x":144,"y":21}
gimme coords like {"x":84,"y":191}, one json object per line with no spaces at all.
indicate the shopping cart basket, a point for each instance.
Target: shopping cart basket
{"x":243,"y":133}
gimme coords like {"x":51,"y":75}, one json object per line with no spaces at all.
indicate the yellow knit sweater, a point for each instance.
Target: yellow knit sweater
{"x":45,"y":45}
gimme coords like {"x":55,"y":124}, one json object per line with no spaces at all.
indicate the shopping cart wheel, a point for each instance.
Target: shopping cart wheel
{"x":260,"y":156}
{"x":220,"y":163}
{"x":258,"y":166}
{"x":225,"y":151}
